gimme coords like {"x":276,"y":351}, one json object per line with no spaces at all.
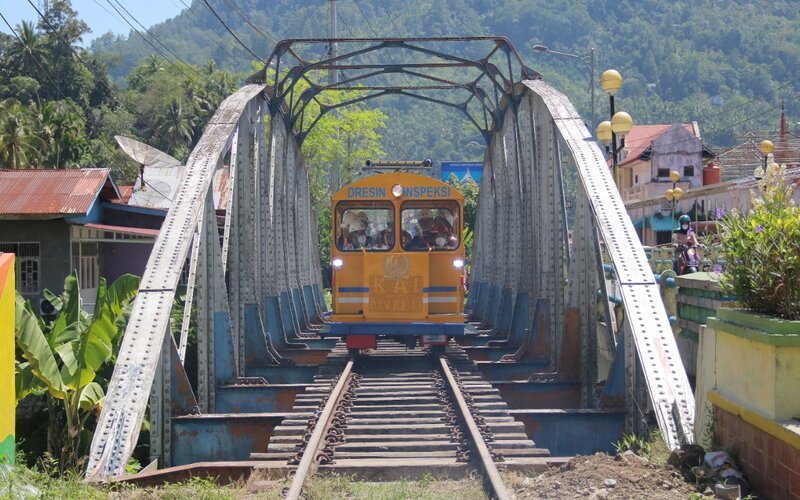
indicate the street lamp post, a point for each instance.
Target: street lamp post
{"x":582,"y":58}
{"x":673,"y":195}
{"x":766,"y":148}
{"x":620,"y":124}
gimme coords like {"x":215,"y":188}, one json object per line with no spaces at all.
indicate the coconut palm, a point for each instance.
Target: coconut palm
{"x":20,"y":147}
{"x":176,"y":126}
{"x":28,"y":54}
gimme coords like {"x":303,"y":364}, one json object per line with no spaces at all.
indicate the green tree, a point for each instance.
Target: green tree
{"x":63,"y":357}
{"x":334,"y":151}
{"x":28,"y":53}
{"x":19,"y":145}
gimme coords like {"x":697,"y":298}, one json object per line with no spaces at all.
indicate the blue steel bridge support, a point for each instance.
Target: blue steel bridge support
{"x":256,"y":296}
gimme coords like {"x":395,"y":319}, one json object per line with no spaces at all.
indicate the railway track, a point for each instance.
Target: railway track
{"x":394,"y":413}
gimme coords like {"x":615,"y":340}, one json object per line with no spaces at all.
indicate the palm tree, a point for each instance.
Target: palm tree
{"x":61,"y":132}
{"x":175,"y":125}
{"x":29,"y":52}
{"x":19,"y":146}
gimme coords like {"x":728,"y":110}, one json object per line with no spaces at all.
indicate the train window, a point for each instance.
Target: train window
{"x":365,"y":225}
{"x":430,"y":225}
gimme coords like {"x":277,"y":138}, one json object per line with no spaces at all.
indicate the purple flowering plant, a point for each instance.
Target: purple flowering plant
{"x":762,"y":249}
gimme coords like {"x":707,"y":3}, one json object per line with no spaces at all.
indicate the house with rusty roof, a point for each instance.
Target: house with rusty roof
{"x":57,"y":221}
{"x":653,"y":151}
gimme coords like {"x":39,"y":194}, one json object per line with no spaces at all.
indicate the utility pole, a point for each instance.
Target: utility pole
{"x":333,"y":76}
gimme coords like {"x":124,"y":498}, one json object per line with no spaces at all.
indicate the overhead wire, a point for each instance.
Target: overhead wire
{"x":231,"y":32}
{"x":393,"y":146}
{"x":98,"y":79}
{"x":79,"y":112}
{"x":270,"y":38}
{"x":157,"y":40}
{"x":391,"y":18}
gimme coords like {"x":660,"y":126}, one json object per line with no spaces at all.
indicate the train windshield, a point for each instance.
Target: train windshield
{"x":365,"y":226}
{"x":430,"y":225}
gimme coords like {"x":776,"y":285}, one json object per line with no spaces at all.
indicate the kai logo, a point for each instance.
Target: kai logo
{"x":395,"y":267}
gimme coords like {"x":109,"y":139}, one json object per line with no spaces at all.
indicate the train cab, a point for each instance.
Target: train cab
{"x":397,"y":258}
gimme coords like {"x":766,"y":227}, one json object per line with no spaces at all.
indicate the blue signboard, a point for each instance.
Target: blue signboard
{"x":462,"y":169}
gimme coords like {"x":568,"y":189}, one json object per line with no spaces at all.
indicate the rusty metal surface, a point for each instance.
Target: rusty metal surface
{"x":315,"y":442}
{"x":53,"y":192}
{"x":498,"y":489}
{"x":130,"y":386}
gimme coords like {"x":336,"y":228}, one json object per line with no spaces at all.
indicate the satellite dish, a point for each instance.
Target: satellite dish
{"x":144,"y":155}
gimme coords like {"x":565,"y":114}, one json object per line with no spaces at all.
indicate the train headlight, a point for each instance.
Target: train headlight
{"x":397,"y":190}
{"x":337,"y":263}
{"x":458,"y":263}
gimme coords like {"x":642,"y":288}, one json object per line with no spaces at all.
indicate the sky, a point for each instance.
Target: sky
{"x":98,"y":14}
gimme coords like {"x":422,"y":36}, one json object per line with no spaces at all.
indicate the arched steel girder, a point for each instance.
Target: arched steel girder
{"x":282,"y":91}
{"x":325,"y":109}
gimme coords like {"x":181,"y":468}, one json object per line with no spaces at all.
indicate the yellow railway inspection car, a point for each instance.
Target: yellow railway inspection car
{"x":397,"y":258}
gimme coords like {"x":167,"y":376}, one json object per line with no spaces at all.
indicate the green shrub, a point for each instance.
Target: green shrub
{"x":762,"y":249}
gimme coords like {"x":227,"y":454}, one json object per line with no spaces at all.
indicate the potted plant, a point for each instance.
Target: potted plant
{"x":756,"y":346}
{"x":762,"y":249}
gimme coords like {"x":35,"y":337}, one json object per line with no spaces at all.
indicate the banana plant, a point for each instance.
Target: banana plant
{"x":63,"y":356}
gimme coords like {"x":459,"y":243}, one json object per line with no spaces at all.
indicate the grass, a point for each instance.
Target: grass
{"x":335,"y":486}
{"x":17,"y":482}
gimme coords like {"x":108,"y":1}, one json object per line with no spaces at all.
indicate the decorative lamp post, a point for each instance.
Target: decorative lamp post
{"x":582,"y":58}
{"x":766,"y":147}
{"x":673,"y":195}
{"x":620,"y":124}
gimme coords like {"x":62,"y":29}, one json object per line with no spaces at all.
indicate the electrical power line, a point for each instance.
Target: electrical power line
{"x":153,"y":46}
{"x":391,"y":19}
{"x":231,"y":32}
{"x":243,"y":15}
{"x":211,"y":28}
{"x":79,"y":112}
{"x":97,"y":77}
{"x":365,"y":18}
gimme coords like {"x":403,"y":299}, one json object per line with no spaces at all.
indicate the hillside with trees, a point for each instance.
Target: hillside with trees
{"x":727,"y":64}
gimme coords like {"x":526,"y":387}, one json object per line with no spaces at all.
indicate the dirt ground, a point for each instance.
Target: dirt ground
{"x":602,"y":476}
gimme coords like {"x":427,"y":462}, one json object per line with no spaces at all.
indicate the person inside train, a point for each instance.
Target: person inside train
{"x":442,"y":233}
{"x":343,"y":240}
{"x":358,"y":236}
{"x":426,"y":233}
{"x":387,"y":235}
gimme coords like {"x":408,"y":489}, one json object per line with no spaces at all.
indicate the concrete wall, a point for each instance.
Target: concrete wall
{"x":748,"y":367}
{"x":7,"y":394}
{"x":54,"y":250}
{"x":675,"y":149}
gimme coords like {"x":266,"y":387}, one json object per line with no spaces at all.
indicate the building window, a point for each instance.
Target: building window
{"x":688,"y":171}
{"x":663,"y":173}
{"x":28,"y":264}
{"x":636,"y":179}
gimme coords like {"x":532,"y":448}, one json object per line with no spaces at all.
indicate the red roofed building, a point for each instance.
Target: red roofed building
{"x":58,"y":220}
{"x":653,"y":151}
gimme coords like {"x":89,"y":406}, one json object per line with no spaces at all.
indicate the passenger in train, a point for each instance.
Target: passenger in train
{"x":348,"y":218}
{"x":443,"y":237}
{"x":358,"y":236}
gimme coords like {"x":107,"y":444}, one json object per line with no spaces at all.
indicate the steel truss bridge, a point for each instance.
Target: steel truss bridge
{"x":255,"y":294}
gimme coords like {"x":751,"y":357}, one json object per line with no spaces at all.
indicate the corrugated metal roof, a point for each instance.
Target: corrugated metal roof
{"x":53,"y":192}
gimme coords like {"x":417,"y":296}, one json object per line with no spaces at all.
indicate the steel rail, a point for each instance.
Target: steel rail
{"x":304,"y":469}
{"x":492,"y":474}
